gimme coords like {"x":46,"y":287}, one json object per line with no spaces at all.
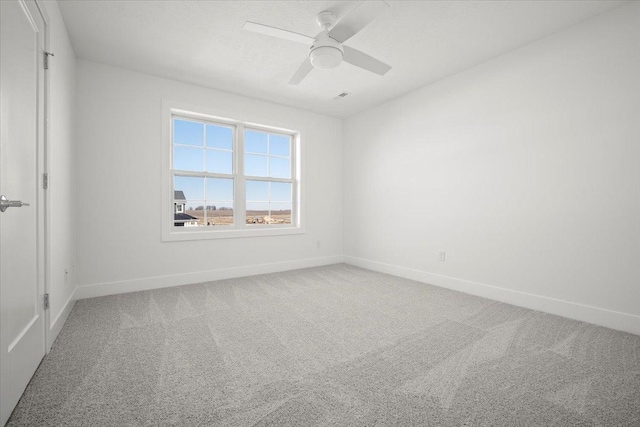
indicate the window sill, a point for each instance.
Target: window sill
{"x":194,"y":234}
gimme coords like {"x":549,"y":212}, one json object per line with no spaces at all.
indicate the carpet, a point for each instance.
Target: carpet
{"x":330,"y":346}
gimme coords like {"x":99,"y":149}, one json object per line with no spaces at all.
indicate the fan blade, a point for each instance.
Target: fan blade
{"x":305,"y":68}
{"x":357,"y":19}
{"x":278,"y":32}
{"x":362,"y":60}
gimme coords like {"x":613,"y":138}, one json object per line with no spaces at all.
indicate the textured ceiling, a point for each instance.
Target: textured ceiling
{"x":202,"y":42}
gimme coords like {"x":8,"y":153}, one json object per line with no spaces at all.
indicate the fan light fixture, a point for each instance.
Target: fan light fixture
{"x":325,"y":57}
{"x":326,"y":52}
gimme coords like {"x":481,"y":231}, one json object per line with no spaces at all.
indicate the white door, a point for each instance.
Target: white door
{"x":21,"y":141}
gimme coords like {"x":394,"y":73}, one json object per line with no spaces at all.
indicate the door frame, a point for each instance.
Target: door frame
{"x":43,"y":214}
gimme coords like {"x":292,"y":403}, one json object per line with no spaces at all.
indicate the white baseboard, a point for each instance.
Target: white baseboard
{"x":112,"y":288}
{"x":58,"y":322}
{"x":599,"y":316}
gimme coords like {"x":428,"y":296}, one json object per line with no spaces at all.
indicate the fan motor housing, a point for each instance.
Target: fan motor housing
{"x":326,"y":52}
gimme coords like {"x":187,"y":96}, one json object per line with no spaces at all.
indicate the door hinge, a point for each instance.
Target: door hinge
{"x":46,"y":59}
{"x":46,"y":301}
{"x":45,"y":181}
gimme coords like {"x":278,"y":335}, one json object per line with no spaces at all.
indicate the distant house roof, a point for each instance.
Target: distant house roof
{"x":179,"y":195}
{"x":183,"y":217}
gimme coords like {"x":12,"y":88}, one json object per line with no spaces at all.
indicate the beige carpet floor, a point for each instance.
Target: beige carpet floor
{"x":335,"y":345}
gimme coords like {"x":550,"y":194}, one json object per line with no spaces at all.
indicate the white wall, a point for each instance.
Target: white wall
{"x":524,"y":169}
{"x":119,"y":188}
{"x":61,"y":167}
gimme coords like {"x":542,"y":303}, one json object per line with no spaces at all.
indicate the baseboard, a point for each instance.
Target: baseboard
{"x":112,"y":288}
{"x":598,"y":316}
{"x":58,"y":322}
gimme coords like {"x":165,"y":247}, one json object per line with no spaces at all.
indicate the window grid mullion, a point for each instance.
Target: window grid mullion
{"x":240,"y":187}
{"x":204,"y":197}
{"x":204,"y":168}
{"x":269,"y":156}
{"x":204,"y":151}
{"x":269,"y":179}
{"x":269,"y":193}
{"x":202,"y":174}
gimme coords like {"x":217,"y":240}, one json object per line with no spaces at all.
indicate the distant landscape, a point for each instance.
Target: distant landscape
{"x":225,"y":217}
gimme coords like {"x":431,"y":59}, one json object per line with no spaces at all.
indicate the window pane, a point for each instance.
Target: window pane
{"x":192,"y":188}
{"x":194,"y":207}
{"x":280,"y":213}
{"x":256,"y":212}
{"x":255,"y":142}
{"x":279,"y":167}
{"x":219,"y":137}
{"x":219,"y":213}
{"x":192,"y":214}
{"x":255,"y":165}
{"x":188,"y":159}
{"x":279,"y":145}
{"x":219,"y":161}
{"x":188,"y":133}
{"x":258,"y":207}
{"x":281,"y":192}
{"x":219,"y":189}
{"x":257,"y":191}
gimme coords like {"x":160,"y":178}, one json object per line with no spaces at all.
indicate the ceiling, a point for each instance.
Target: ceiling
{"x":202,"y":42}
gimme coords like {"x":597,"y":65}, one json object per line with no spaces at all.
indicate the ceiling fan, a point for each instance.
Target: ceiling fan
{"x":327,"y":49}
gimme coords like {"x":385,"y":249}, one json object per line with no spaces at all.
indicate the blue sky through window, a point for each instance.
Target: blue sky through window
{"x":281,"y":192}
{"x":188,"y":158}
{"x":219,"y":161}
{"x":279,"y":167}
{"x":267,"y":155}
{"x":219,"y":137}
{"x":192,"y":187}
{"x":256,"y":165}
{"x":255,"y":142}
{"x":279,"y":145}
{"x":257,"y":191}
{"x":219,"y":189}
{"x":188,"y":133}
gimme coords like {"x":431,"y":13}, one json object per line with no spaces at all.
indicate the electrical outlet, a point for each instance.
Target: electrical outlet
{"x":441,"y":255}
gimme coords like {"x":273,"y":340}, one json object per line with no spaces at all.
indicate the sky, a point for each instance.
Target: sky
{"x":204,"y":147}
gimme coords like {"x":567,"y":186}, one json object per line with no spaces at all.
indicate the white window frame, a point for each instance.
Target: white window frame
{"x":240,"y":228}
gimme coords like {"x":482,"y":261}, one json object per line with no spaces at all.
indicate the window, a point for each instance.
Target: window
{"x":230,"y":178}
{"x":268,"y":172}
{"x":203,"y":177}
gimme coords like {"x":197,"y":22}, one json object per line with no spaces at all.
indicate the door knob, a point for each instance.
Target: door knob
{"x":4,"y":204}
